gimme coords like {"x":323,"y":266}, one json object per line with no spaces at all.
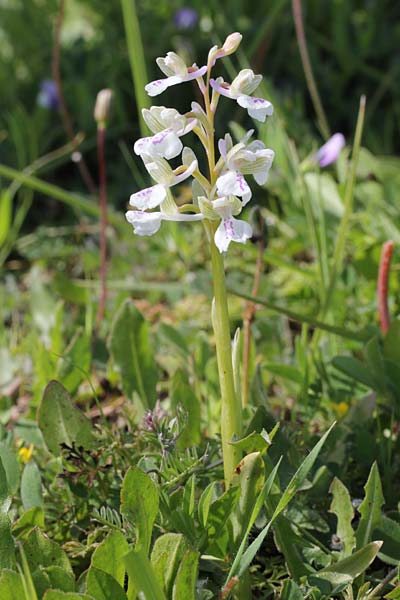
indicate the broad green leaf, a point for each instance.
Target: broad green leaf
{"x":139,"y":504}
{"x":374,"y":357}
{"x":341,"y":506}
{"x":166,"y":557}
{"x":286,"y":372}
{"x":11,"y":587}
{"x":61,"y":422}
{"x":133,"y":354}
{"x":323,"y":193}
{"x":355,"y":369}
{"x":370,"y":508}
{"x":28,"y":520}
{"x":291,"y":591}
{"x":391,"y":344}
{"x":108,"y":556}
{"x":355,"y":564}
{"x":293,"y":486}
{"x":175,"y":338}
{"x":250,"y":478}
{"x":7,"y":547}
{"x":40,"y":551}
{"x":60,"y":579}
{"x":142,"y":575}
{"x":219,"y":513}
{"x":254,"y":442}
{"x":103,"y":586}
{"x":41,"y":581}
{"x":293,"y":547}
{"x":185,"y":582}
{"x":183,"y":395}
{"x":75,"y":361}
{"x":389,"y":533}
{"x":31,"y":487}
{"x":11,"y":467}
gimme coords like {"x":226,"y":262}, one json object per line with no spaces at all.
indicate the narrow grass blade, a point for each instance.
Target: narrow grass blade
{"x":358,"y":336}
{"x":136,"y":58}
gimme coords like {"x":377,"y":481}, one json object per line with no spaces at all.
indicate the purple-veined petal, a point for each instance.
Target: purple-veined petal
{"x":144,"y":223}
{"x":231,"y":230}
{"x":258,"y":108}
{"x":165,"y":143}
{"x":149,"y":197}
{"x":329,"y":152}
{"x":234,"y":184}
{"x":221,"y":87}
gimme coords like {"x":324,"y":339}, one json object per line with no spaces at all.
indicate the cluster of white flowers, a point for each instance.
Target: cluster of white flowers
{"x":226,"y":191}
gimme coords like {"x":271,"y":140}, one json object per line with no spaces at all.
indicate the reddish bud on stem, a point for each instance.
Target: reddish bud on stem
{"x":383,"y":277}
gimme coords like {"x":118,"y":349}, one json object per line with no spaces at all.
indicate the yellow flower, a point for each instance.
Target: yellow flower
{"x":341,"y":409}
{"x":25,"y":454}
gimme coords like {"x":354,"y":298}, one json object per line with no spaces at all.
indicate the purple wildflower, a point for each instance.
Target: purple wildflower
{"x":329,"y":152}
{"x":186,"y":18}
{"x":48,"y":95}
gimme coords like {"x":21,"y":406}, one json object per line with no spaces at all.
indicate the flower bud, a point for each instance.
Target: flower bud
{"x":232,"y":43}
{"x":102,"y":107}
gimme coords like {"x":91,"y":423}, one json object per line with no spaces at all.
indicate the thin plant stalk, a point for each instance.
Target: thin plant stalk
{"x":101,"y":133}
{"x":344,"y":226}
{"x":249,"y":315}
{"x":230,"y":406}
{"x":231,"y":410}
{"x":65,"y":116}
{"x":75,"y":201}
{"x":308,"y":72}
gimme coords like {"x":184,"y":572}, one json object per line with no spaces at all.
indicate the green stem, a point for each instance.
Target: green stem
{"x":231,"y":418}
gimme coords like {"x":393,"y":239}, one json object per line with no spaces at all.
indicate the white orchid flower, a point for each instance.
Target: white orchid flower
{"x":145,"y":223}
{"x":168,"y":125}
{"x":230,"y":229}
{"x":249,"y":159}
{"x":176,"y":71}
{"x":232,"y":183}
{"x":165,"y":177}
{"x":244,"y":84}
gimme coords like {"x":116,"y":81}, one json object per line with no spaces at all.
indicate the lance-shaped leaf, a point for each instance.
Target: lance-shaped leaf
{"x":166,"y":557}
{"x":341,"y":506}
{"x":250,"y":478}
{"x":353,"y":565}
{"x":133,"y":355}
{"x":370,"y":508}
{"x":139,"y":503}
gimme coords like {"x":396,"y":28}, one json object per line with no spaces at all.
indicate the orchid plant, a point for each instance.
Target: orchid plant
{"x":218,"y":197}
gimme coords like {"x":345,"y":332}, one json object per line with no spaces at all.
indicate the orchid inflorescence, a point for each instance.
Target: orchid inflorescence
{"x":222,"y":196}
